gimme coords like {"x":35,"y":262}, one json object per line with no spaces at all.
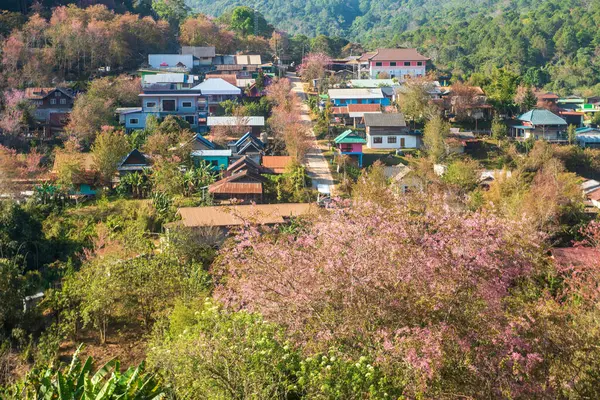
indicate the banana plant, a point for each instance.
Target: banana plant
{"x":80,"y":382}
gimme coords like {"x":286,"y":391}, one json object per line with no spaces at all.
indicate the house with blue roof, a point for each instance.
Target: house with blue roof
{"x":350,"y":143}
{"x":588,"y":137}
{"x":540,"y":124}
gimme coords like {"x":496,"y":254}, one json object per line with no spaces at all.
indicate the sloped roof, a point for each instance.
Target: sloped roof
{"x":244,"y":163}
{"x":253,"y":59}
{"x":86,"y":160}
{"x":229,"y":78}
{"x":40,"y":93}
{"x":372,"y":83}
{"x":242,"y":214}
{"x":349,"y":137}
{"x":277,"y":164}
{"x":398,"y":54}
{"x":247,"y":140}
{"x":211,"y":153}
{"x":198,"y":52}
{"x":132,"y":154}
{"x":235,"y":121}
{"x":217,"y":86}
{"x":236,"y":188}
{"x":385,"y":120}
{"x":542,"y":117}
{"x":374,"y":93}
{"x":357,"y":108}
{"x":201,"y":139}
{"x":223,"y":60}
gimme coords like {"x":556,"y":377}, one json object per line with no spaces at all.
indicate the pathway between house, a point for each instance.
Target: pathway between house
{"x":315,"y":162}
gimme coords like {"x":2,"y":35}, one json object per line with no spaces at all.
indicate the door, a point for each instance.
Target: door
{"x":402,"y":143}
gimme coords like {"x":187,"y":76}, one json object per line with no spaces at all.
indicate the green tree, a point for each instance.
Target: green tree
{"x":572,"y":134}
{"x":109,"y":149}
{"x":174,"y":11}
{"x":78,"y":381}
{"x":414,"y":101}
{"x":434,"y":138}
{"x":462,"y":174}
{"x":499,"y":129}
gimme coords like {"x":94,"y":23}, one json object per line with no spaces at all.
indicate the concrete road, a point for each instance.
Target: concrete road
{"x":316,"y":164}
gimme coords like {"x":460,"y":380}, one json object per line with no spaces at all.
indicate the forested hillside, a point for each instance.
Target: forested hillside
{"x":544,"y":40}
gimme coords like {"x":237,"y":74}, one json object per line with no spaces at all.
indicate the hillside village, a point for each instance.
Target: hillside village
{"x":246,"y":215}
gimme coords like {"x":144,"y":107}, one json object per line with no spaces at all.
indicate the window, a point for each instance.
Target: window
{"x":407,"y":63}
{"x":361,"y":101}
{"x":214,"y":163}
{"x":52,"y":101}
{"x":57,"y":94}
{"x":168,"y":105}
{"x":186,"y":104}
{"x":420,"y":63}
{"x":134,"y":121}
{"x":63,"y":101}
{"x":377,"y":140}
{"x":189,"y":119}
{"x":392,"y":139}
{"x":151,"y":104}
{"x":402,"y":143}
{"x":393,"y":64}
{"x":378,"y":64}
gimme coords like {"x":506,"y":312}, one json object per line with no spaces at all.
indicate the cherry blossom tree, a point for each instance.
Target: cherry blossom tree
{"x":418,"y":286}
{"x":314,"y":66}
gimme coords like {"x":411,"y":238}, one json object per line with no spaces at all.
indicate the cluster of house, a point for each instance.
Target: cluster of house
{"x":191,"y":85}
{"x":240,"y":166}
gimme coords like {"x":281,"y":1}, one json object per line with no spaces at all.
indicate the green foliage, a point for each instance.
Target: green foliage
{"x":434,"y":138}
{"x":109,"y":149}
{"x":463,"y":174}
{"x":290,"y":187}
{"x":242,"y":19}
{"x":78,"y":381}
{"x":208,"y":352}
{"x":499,"y":129}
{"x":174,"y":11}
{"x":572,"y":134}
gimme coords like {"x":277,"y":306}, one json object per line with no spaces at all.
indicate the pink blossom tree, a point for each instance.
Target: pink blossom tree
{"x":314,"y":66}
{"x":421,"y":289}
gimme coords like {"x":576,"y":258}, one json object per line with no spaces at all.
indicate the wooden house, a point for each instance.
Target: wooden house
{"x":135,"y":161}
{"x":276,"y":164}
{"x":244,"y":186}
{"x":247,"y":145}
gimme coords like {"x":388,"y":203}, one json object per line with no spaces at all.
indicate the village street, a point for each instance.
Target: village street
{"x":315,"y":162}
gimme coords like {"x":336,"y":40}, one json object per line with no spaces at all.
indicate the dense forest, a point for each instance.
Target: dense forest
{"x":552,"y":41}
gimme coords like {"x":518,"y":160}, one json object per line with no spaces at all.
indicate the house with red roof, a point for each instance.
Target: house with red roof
{"x":395,"y":63}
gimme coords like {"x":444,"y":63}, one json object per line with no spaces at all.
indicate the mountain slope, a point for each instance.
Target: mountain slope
{"x":349,"y":18}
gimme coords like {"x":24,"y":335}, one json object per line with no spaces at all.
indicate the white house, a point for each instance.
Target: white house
{"x":389,"y":131}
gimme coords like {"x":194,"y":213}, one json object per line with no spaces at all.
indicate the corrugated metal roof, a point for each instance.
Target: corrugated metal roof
{"x":352,"y":108}
{"x":236,"y":188}
{"x":277,"y":163}
{"x":542,"y":117}
{"x":240,"y":215}
{"x":211,"y":153}
{"x":198,"y":52}
{"x":355,"y":93}
{"x":217,"y":86}
{"x":248,"y":59}
{"x":385,"y":120}
{"x":236,"y":121}
{"x":165,"y":78}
